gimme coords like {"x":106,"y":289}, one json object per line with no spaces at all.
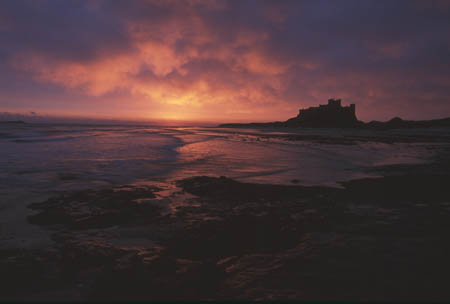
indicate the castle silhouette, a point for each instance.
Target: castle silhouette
{"x":332,"y":114}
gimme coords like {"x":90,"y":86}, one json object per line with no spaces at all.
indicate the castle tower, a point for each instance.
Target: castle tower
{"x":335,"y":103}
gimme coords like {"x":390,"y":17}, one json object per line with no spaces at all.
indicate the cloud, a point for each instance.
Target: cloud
{"x":244,"y":60}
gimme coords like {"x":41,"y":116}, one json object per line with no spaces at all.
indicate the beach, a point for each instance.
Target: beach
{"x":152,"y":213}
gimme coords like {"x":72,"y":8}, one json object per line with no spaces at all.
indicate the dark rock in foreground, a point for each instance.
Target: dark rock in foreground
{"x":374,"y":239}
{"x":97,"y":209}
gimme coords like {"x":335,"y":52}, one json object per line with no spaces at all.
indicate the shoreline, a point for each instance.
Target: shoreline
{"x":215,"y":238}
{"x":347,"y":123}
{"x":344,"y":136}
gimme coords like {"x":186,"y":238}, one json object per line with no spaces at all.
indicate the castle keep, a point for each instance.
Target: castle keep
{"x":332,"y":114}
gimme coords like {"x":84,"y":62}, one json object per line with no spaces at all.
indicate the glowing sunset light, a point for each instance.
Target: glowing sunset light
{"x":225,"y":60}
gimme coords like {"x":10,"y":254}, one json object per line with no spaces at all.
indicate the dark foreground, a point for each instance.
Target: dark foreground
{"x":375,"y":239}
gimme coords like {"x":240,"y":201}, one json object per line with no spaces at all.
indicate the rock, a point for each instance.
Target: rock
{"x":97,"y":209}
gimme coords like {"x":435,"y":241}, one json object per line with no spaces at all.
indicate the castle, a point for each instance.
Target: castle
{"x":332,"y":114}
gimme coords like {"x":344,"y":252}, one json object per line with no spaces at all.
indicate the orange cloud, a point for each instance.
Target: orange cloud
{"x":171,"y":83}
{"x":229,"y":60}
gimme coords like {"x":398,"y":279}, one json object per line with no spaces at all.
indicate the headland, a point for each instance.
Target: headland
{"x":334,"y":115}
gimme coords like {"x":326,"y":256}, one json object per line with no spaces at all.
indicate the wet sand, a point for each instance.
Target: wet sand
{"x":374,"y":239}
{"x":214,"y":238}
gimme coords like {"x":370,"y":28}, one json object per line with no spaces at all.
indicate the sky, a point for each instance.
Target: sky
{"x":224,"y":61}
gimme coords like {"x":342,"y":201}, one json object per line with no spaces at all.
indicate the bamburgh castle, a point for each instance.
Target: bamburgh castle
{"x":332,"y":114}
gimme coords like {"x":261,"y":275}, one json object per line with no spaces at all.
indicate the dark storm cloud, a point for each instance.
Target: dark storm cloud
{"x":65,"y":30}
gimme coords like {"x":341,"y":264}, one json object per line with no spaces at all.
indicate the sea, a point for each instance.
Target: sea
{"x":38,"y":161}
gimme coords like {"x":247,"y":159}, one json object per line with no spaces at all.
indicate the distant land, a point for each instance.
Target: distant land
{"x":12,"y":122}
{"x":33,"y":118}
{"x":334,"y":115}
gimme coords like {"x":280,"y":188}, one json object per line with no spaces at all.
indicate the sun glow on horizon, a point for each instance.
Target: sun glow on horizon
{"x":200,"y":60}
